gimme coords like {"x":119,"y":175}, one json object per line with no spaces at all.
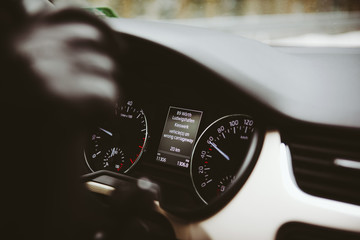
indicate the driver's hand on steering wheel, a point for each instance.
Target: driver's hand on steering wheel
{"x":59,"y":77}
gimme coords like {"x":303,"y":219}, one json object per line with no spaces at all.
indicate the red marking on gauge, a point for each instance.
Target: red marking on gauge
{"x":140,"y":147}
{"x":218,"y":191}
{"x":120,"y":167}
{"x":131,"y":161}
{"x":210,"y":149}
{"x":206,"y":162}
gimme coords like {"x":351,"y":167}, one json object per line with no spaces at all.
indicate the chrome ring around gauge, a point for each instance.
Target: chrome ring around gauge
{"x":219,"y":154}
{"x":119,"y":145}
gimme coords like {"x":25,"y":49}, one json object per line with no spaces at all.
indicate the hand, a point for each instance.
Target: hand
{"x":69,"y":62}
{"x":60,"y":76}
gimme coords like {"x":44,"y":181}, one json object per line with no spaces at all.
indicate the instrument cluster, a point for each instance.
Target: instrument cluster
{"x":213,"y":152}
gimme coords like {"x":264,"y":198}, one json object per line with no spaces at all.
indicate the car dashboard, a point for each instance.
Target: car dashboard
{"x":245,"y":140}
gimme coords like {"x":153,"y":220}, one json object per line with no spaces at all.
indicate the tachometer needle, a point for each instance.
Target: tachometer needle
{"x":106,"y":131}
{"x":219,"y":150}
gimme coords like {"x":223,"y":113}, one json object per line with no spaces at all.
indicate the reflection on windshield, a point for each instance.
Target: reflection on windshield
{"x":271,"y":21}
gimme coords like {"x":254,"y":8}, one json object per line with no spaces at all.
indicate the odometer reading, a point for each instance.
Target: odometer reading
{"x":219,"y":154}
{"x":178,"y":137}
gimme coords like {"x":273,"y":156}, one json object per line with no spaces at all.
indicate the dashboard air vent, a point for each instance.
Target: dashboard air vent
{"x":302,"y":231}
{"x":327,"y":163}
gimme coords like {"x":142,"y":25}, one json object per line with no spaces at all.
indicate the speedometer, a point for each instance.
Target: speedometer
{"x":220,"y":155}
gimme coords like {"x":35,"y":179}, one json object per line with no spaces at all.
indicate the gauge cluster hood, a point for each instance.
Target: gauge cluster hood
{"x":314,"y":85}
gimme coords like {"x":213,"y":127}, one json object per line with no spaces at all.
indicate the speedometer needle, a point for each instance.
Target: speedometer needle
{"x":106,"y":131}
{"x":219,"y":150}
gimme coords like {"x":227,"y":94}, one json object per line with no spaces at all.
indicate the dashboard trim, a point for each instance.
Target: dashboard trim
{"x":269,"y":199}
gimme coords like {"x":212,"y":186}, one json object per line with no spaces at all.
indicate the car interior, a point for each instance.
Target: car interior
{"x":288,"y":115}
{"x":231,"y":137}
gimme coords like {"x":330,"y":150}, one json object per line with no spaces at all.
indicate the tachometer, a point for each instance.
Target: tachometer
{"x":119,"y":144}
{"x":219,"y":155}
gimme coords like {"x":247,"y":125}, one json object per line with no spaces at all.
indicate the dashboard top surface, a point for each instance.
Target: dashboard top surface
{"x":319,"y":87}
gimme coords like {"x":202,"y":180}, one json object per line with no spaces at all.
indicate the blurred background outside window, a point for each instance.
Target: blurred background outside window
{"x":276,"y":22}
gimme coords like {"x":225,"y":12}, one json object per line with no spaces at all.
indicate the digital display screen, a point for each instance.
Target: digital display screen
{"x":178,"y":137}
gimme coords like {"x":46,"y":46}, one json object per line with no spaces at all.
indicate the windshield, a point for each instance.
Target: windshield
{"x":276,"y":22}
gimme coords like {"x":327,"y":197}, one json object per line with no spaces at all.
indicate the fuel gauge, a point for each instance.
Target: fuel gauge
{"x":114,"y":159}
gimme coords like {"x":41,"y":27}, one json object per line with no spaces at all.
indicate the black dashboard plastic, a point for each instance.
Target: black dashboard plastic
{"x":303,"y":231}
{"x":318,"y":88}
